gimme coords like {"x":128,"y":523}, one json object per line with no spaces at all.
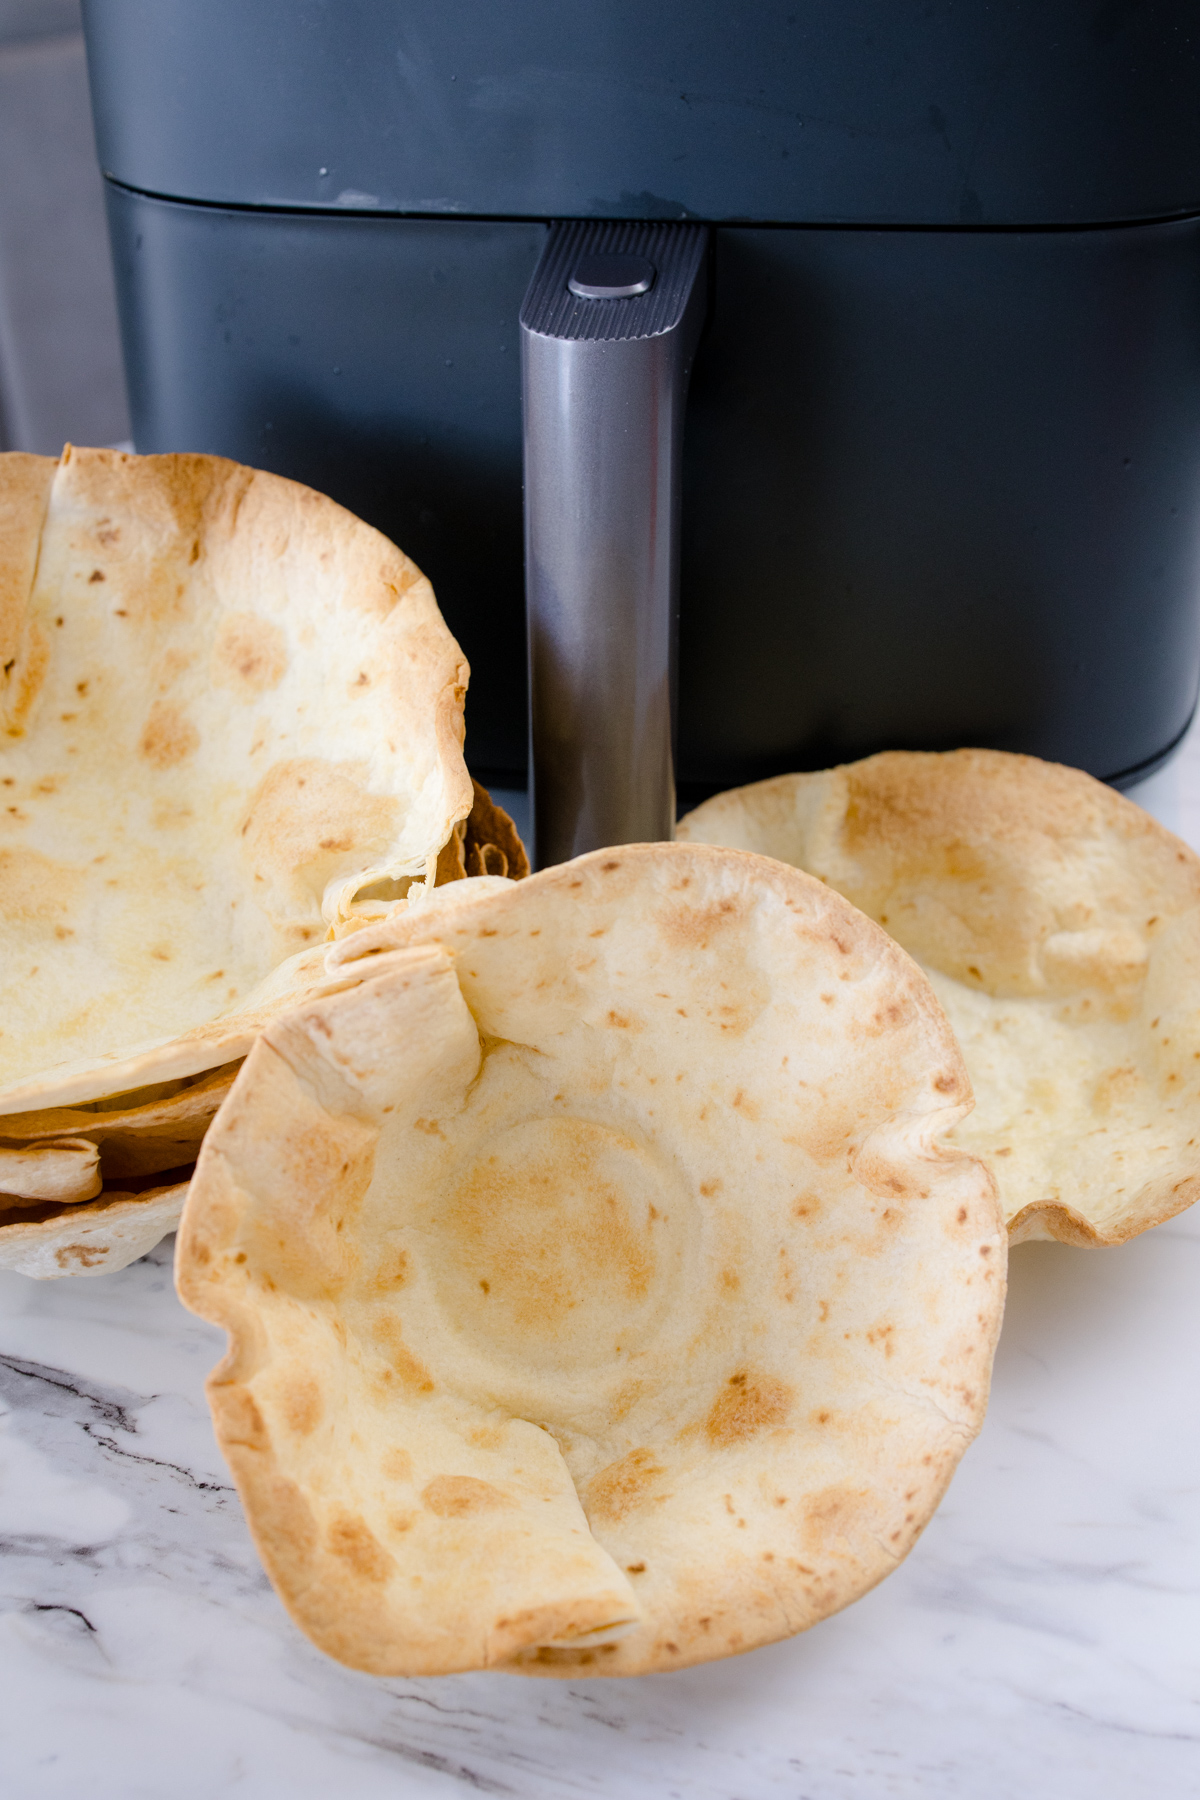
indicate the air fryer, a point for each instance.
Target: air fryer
{"x":939,"y":480}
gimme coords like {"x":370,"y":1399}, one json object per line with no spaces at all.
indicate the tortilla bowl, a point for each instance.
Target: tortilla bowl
{"x":230,"y":725}
{"x":601,"y":1295}
{"x":1059,"y":925}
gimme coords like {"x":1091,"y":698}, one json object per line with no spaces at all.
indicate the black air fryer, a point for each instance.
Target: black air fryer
{"x":933,"y":266}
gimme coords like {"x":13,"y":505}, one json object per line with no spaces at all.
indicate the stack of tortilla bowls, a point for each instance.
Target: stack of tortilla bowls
{"x":230,"y":727}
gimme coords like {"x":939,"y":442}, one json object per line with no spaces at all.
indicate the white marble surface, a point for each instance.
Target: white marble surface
{"x":1042,"y":1640}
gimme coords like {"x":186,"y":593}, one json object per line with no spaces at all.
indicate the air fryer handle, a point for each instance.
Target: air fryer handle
{"x":609,"y":328}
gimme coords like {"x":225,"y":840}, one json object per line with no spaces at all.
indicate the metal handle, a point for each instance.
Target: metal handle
{"x":608,"y":331}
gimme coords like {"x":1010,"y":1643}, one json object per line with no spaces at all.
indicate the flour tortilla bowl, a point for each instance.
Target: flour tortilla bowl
{"x":1060,"y":927}
{"x":123,"y":1222}
{"x":130,"y":1157}
{"x":230,"y":726}
{"x":486,"y":842}
{"x":600,"y":1295}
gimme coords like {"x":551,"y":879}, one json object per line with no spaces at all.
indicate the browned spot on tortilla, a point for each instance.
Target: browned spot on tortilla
{"x":305,"y":809}
{"x":624,"y":1021}
{"x":743,"y":1104}
{"x":693,"y":927}
{"x":826,"y":1134}
{"x":35,"y":888}
{"x":302,"y":1404}
{"x":457,"y":1496}
{"x":746,"y":1404}
{"x":397,"y":1464}
{"x":885,"y":1018}
{"x":169,"y":737}
{"x":1114,"y":1087}
{"x":84,"y":1255}
{"x":23,"y":676}
{"x":412,"y":1373}
{"x":546,"y":1221}
{"x":623,"y":1485}
{"x":880,"y":1175}
{"x":238,"y":1419}
{"x":626,"y":1396}
{"x":351,"y":1538}
{"x":391,"y":1273}
{"x":830,"y":1515}
{"x":554,"y":1656}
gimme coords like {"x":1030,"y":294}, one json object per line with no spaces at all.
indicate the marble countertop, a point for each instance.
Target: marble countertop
{"x":1043,"y":1638}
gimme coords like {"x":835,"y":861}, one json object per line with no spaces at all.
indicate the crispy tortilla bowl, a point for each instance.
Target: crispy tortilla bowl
{"x":601,"y":1295}
{"x":1060,"y":927}
{"x":230,"y":729}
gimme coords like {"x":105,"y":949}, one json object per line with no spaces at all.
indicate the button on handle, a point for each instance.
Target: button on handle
{"x":609,"y":275}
